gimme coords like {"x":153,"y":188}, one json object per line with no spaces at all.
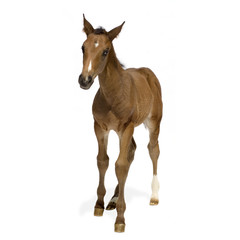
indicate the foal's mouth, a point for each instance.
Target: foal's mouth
{"x":85,"y":84}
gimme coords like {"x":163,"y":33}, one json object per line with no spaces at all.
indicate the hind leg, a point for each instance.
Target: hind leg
{"x":153,"y":148}
{"x":113,"y":202}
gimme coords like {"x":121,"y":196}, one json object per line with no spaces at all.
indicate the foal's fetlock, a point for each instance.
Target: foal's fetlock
{"x":112,"y":204}
{"x":99,"y":209}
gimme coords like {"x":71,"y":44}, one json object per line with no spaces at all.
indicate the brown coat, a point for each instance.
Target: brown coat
{"x":125,"y":99}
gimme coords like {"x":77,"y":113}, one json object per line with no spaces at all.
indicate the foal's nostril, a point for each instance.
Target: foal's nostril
{"x":80,"y":79}
{"x":89,"y":78}
{"x":85,"y":82}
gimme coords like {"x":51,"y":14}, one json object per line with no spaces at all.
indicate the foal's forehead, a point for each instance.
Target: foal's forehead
{"x":95,"y":40}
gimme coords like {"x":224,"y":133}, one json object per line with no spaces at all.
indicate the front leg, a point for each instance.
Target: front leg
{"x":113,"y":202}
{"x":102,"y":163}
{"x":122,"y":166}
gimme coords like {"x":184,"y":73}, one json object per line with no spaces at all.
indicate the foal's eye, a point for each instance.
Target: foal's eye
{"x":105,"y":52}
{"x":83,"y":49}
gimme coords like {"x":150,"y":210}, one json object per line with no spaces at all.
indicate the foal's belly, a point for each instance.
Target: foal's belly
{"x":109,"y":121}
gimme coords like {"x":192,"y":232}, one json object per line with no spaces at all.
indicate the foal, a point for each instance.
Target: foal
{"x":125,"y":99}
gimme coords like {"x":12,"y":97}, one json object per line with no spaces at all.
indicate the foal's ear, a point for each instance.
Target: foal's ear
{"x":88,"y":28}
{"x":114,"y":32}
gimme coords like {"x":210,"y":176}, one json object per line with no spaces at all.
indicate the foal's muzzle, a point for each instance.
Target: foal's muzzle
{"x":85,"y":83}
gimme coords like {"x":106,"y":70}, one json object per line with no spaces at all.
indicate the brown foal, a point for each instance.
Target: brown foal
{"x":126,"y":98}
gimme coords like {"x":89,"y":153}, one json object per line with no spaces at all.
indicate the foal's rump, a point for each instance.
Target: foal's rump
{"x":148,"y":75}
{"x":155,"y":87}
{"x":152,"y":80}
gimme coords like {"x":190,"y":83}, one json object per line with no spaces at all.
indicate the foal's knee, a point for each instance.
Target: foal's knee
{"x":121,"y":169}
{"x":102,"y":162}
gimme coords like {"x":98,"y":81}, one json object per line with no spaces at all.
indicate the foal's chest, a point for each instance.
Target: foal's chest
{"x":108,"y":122}
{"x":103,"y":115}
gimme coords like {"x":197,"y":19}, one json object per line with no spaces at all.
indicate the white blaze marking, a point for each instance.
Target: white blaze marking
{"x":155,"y":187}
{"x":90,"y":66}
{"x":96,"y":44}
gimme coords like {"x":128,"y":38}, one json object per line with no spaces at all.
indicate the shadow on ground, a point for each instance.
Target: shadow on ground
{"x":130,"y":193}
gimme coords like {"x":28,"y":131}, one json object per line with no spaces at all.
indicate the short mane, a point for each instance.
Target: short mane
{"x":100,"y":30}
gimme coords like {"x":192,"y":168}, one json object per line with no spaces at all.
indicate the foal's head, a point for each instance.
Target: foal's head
{"x":95,"y":52}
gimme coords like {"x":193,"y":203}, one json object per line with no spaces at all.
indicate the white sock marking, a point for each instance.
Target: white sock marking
{"x":90,"y":66}
{"x":155,"y":187}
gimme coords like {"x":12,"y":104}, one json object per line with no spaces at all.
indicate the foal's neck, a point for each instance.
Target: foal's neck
{"x":110,"y":79}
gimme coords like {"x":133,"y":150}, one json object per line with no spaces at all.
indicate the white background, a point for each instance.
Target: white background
{"x":48,"y":172}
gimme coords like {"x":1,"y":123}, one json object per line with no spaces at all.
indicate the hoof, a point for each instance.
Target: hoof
{"x":119,"y":227}
{"x":98,"y":212}
{"x":154,"y":201}
{"x":111,"y":206}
